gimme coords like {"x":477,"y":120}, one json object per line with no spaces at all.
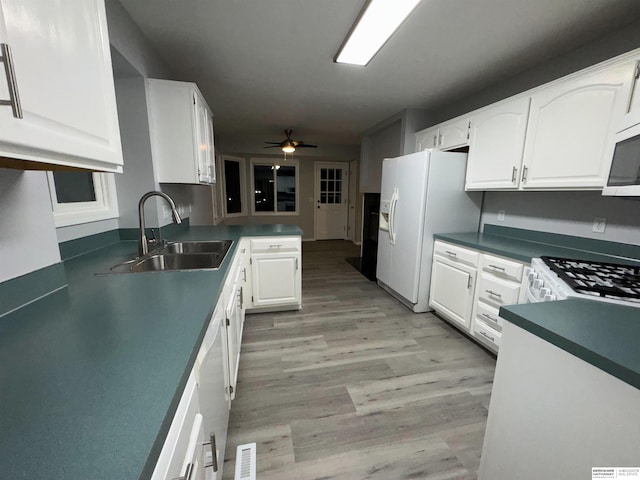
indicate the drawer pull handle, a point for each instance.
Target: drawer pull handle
{"x":12,"y":84}
{"x":244,"y":274}
{"x":296,"y":264}
{"x":497,"y":267}
{"x":487,"y":336}
{"x":490,"y":292}
{"x":514,"y":175}
{"x":275,"y":246}
{"x":486,"y":315}
{"x":214,"y":456}
{"x":453,"y":254}
{"x":187,"y":473}
{"x":469,"y":282}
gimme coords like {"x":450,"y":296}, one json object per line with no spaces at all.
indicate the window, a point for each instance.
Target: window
{"x":234,"y":186}
{"x":331,"y":185}
{"x":82,"y":197}
{"x":275,"y":187}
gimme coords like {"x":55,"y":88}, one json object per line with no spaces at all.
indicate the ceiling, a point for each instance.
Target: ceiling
{"x":267,"y":65}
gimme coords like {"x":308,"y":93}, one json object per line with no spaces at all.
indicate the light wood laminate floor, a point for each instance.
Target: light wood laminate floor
{"x":355,"y":386}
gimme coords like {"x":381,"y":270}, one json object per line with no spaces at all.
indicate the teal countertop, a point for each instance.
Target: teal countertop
{"x":91,"y":374}
{"x":603,"y":334}
{"x":523,"y":250}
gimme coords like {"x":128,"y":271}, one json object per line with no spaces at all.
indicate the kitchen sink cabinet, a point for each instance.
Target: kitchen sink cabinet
{"x":570,"y":133}
{"x":64,"y":84}
{"x":496,"y":144}
{"x":182,"y":450}
{"x":453,"y":278}
{"x":181,"y":129}
{"x":276,"y":273}
{"x":213,"y":391}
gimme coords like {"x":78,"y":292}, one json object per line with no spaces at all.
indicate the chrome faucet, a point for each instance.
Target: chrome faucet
{"x":143,"y":247}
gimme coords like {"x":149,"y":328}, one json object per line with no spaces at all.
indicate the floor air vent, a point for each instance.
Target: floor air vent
{"x":246,"y":462}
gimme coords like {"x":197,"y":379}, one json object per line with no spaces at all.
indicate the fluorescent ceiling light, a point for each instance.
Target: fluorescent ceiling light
{"x":376,"y":23}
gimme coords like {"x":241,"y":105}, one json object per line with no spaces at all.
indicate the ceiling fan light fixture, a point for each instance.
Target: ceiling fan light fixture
{"x":378,"y":20}
{"x":288,"y":148}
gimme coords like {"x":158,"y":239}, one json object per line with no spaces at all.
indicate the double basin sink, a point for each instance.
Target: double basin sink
{"x":175,"y":256}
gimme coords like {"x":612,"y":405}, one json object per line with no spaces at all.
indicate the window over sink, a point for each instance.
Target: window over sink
{"x":82,"y":197}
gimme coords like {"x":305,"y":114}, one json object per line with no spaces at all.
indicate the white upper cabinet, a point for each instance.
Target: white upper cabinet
{"x":64,"y":84}
{"x":445,"y":136}
{"x":631,"y":113}
{"x":454,"y":133}
{"x":181,"y":129}
{"x":427,"y":139}
{"x":496,"y":143}
{"x":570,"y":132}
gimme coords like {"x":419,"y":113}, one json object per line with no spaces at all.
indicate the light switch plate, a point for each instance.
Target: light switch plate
{"x":501,"y":214}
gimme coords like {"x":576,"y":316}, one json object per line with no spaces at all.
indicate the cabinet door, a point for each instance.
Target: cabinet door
{"x":496,"y":143}
{"x":451,"y":292}
{"x":570,"y":134}
{"x":427,"y":139}
{"x":212,"y":391}
{"x":631,"y":114}
{"x":453,"y":134}
{"x":234,"y":338}
{"x":202,"y":139}
{"x":276,"y":279}
{"x":62,"y":66}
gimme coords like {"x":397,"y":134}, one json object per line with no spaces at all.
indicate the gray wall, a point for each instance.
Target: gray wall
{"x":27,"y":232}
{"x":384,"y":143}
{"x":569,"y":213}
{"x":306,"y":218}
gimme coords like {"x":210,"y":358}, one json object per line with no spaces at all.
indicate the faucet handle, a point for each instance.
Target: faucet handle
{"x":153,"y":235}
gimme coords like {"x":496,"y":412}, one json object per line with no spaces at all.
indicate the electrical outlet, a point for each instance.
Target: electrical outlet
{"x":599,"y":224}
{"x":501,"y":215}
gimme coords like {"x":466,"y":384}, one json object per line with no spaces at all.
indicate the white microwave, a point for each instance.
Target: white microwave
{"x":624,"y":175}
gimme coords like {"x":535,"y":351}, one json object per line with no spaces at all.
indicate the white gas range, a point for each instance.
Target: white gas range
{"x":552,"y":278}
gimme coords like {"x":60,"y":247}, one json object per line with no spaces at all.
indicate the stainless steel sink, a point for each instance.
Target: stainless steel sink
{"x":177,"y":256}
{"x":216,"y":246}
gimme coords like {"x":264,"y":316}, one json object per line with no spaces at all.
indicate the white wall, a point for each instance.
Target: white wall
{"x":568,"y":213}
{"x":27,"y":232}
{"x":383,"y":143}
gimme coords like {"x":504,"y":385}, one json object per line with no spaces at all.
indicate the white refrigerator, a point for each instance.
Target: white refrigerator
{"x":421,"y":194}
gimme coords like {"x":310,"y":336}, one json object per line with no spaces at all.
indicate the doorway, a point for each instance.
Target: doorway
{"x":331,"y":194}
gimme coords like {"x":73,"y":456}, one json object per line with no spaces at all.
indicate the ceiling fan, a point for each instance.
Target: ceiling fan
{"x":288,"y":145}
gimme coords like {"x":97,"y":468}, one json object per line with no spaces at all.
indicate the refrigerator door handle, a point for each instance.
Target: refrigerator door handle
{"x":392,"y":214}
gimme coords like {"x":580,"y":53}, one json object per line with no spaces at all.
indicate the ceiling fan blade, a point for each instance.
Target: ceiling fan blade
{"x":274,"y":143}
{"x":273,"y":146}
{"x":306,"y":145}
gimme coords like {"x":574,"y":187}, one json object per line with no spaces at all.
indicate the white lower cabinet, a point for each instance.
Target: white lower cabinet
{"x":468,"y":288}
{"x":276,"y":272}
{"x":182,"y":450}
{"x":453,"y":278}
{"x":499,"y":283}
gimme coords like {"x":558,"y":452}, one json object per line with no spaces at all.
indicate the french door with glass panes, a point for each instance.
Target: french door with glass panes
{"x":331,"y":191}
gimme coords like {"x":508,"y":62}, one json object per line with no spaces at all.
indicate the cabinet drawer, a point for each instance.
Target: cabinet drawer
{"x":485,"y":333}
{"x":275,"y":244}
{"x":489,"y":314}
{"x":497,"y":291}
{"x":502,"y":267}
{"x":456,"y":253}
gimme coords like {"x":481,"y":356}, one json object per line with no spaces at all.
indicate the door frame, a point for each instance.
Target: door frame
{"x":316,"y":193}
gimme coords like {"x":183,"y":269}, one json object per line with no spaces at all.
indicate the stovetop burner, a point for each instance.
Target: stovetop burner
{"x":598,"y":278}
